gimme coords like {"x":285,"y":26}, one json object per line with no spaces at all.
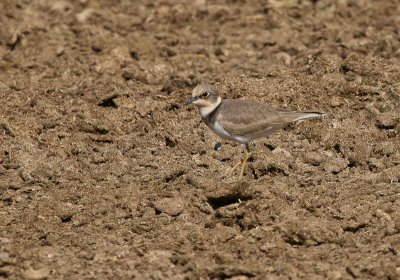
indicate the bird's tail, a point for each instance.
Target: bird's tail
{"x":301,"y":115}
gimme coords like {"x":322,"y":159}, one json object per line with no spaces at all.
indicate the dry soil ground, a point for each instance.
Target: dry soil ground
{"x":105,"y":174}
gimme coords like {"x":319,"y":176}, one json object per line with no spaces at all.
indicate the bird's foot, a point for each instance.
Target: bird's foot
{"x":246,"y":158}
{"x":230,"y":171}
{"x":243,"y":161}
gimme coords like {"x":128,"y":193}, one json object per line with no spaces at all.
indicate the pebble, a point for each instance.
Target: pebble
{"x":4,"y":256}
{"x":37,"y":274}
{"x":239,"y":277}
{"x":376,"y":165}
{"x":200,"y":2}
{"x":335,"y":166}
{"x":112,"y":62}
{"x":387,"y":121}
{"x":385,"y":148}
{"x":389,"y":175}
{"x":273,"y":162}
{"x":5,"y":240}
{"x":5,"y":259}
{"x":283,"y":152}
{"x":313,"y":158}
{"x":10,"y":185}
{"x":218,"y":147}
{"x":84,"y":15}
{"x":170,"y":206}
{"x":335,"y":102}
{"x":285,"y":57}
{"x":19,"y":198}
{"x":61,"y":6}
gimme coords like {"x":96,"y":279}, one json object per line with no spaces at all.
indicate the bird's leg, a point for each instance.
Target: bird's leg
{"x":247,"y":155}
{"x":243,"y":161}
{"x":231,"y":170}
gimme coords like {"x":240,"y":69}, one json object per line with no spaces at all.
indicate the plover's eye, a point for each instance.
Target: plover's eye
{"x":205,"y":94}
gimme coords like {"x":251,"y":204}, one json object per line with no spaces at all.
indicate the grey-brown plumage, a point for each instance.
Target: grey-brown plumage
{"x":246,"y":120}
{"x":242,"y":120}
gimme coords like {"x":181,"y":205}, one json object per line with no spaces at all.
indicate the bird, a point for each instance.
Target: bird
{"x":242,"y":120}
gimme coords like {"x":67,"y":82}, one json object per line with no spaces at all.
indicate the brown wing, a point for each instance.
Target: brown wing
{"x":245,"y":117}
{"x":254,"y":119}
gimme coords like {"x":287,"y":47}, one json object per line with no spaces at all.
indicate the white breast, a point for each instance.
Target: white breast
{"x":221,"y":132}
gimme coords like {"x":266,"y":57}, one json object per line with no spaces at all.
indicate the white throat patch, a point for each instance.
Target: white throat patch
{"x":205,"y":111}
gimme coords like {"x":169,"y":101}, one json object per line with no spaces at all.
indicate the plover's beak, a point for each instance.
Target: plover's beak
{"x":191,"y":100}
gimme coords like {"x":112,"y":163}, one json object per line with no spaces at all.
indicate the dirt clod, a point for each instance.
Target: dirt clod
{"x":170,"y":206}
{"x":37,"y":274}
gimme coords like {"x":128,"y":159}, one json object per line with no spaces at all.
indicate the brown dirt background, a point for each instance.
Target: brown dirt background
{"x":105,"y":174}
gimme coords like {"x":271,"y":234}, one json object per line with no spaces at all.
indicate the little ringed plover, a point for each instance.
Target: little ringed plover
{"x":242,"y":120}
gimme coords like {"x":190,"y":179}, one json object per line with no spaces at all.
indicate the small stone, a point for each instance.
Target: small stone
{"x":37,"y":274}
{"x":336,"y":102}
{"x":111,"y":63}
{"x":219,"y":52}
{"x":285,"y":57}
{"x":335,"y":166}
{"x":4,"y":256}
{"x":359,"y":153}
{"x":239,"y":277}
{"x":274,"y":162}
{"x":5,"y":240}
{"x":387,"y":120}
{"x":283,"y":152}
{"x":10,"y":185}
{"x":19,"y":198}
{"x":84,"y":15}
{"x":385,"y":148}
{"x":167,"y":52}
{"x":218,"y":147}
{"x":169,"y":206}
{"x":60,"y":51}
{"x":200,"y":2}
{"x":391,"y":175}
{"x":61,"y":6}
{"x":335,"y":274}
{"x":313,"y":158}
{"x":375,"y":165}
{"x":5,"y":259}
{"x":397,"y":225}
{"x":221,"y":14}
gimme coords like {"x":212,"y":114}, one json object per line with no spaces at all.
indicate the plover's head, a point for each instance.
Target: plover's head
{"x":205,"y":97}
